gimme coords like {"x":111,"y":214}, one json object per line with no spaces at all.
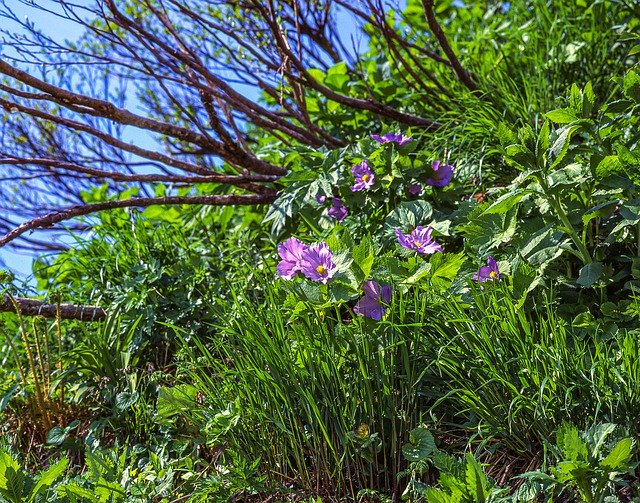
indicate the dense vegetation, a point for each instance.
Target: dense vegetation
{"x":436,"y":312}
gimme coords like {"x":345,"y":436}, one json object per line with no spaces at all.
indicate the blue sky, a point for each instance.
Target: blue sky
{"x":20,"y":263}
{"x":58,"y":29}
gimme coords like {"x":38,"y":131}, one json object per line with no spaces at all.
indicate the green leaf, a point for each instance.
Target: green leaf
{"x":505,"y":202}
{"x":444,"y":269}
{"x":48,"y":477}
{"x":575,"y":99}
{"x":125,"y":400}
{"x":560,"y":146}
{"x":599,"y":211}
{"x":590,"y":274}
{"x":588,"y":100}
{"x":12,"y":484}
{"x":409,"y":215}
{"x":363,"y":255}
{"x":619,"y":457}
{"x":571,"y":443}
{"x":477,"y":482}
{"x":631,"y":86}
{"x":562,"y":115}
{"x":609,"y":165}
{"x":420,"y":446}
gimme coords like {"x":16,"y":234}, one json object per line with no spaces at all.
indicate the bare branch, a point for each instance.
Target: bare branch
{"x":141,"y":202}
{"x":462,"y":74}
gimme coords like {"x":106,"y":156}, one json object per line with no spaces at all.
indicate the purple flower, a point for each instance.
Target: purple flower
{"x":338,"y":210}
{"x":363,"y":175}
{"x":396,"y":138}
{"x":321,"y":198}
{"x":374,"y":303}
{"x":291,"y":252}
{"x":414,"y":190}
{"x":419,"y":240}
{"x":317,"y":263}
{"x":442,"y":174}
{"x":488,"y":272}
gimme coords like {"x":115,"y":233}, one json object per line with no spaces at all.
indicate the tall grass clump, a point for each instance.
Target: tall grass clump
{"x":519,"y":373}
{"x":324,"y":401}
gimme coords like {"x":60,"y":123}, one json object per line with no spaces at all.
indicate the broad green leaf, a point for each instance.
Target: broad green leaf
{"x":433,"y":495}
{"x":477,"y":483}
{"x":562,"y":115}
{"x":590,"y":274}
{"x":599,"y":211}
{"x":571,"y":443}
{"x":409,"y":215}
{"x":609,"y":165}
{"x":12,"y":484}
{"x":597,"y":435}
{"x":560,"y":146}
{"x":631,"y":85}
{"x":125,"y":399}
{"x":420,"y":446}
{"x":588,"y":100}
{"x":569,"y":471}
{"x":363,"y":255}
{"x":505,"y":202}
{"x":619,"y":457}
{"x":444,"y":269}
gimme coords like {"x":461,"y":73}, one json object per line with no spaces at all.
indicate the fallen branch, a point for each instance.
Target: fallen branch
{"x":31,"y":307}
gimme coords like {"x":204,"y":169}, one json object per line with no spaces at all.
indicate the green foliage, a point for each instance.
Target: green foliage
{"x":278,"y":387}
{"x":592,"y":462}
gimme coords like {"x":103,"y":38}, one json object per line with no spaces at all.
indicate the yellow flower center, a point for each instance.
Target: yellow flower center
{"x":365,"y":178}
{"x":321,"y":269}
{"x":493,"y":274}
{"x":417,"y":244}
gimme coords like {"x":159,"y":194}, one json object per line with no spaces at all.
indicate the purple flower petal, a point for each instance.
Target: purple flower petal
{"x":396,"y":138}
{"x":404,"y":240}
{"x":419,"y":240}
{"x":488,"y":272}
{"x":442,"y":174}
{"x":317,"y":263}
{"x":364,"y":177}
{"x":290,"y":252}
{"x":338,"y":210}
{"x":414,"y":190}
{"x":373,"y":303}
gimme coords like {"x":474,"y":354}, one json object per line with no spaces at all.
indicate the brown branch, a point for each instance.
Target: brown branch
{"x":32,"y":307}
{"x":462,"y":74}
{"x":127,"y":177}
{"x":141,"y":202}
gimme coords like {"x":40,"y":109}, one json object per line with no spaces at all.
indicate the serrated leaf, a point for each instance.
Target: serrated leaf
{"x":444,"y":269}
{"x":588,"y":100}
{"x":477,"y":483}
{"x":619,"y":457}
{"x":609,"y":165}
{"x":48,"y":477}
{"x":560,"y":146}
{"x":571,"y":443}
{"x":363,"y":255}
